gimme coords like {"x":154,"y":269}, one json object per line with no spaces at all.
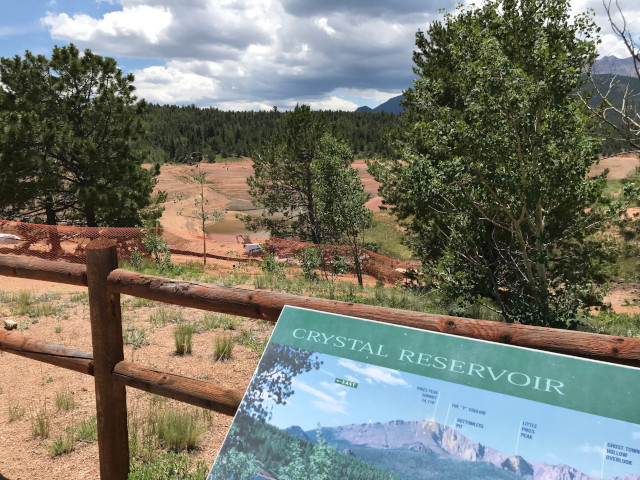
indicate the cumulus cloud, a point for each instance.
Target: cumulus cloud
{"x":255,"y":52}
{"x":261,"y":53}
{"x":139,"y":23}
{"x":171,"y":85}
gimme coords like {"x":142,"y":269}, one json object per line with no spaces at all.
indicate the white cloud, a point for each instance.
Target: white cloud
{"x":611,"y":44}
{"x":591,"y":449}
{"x":374,"y":374}
{"x":324,"y":401}
{"x":332,"y":103}
{"x":257,"y":53}
{"x":261,"y":53}
{"x":171,"y":85}
{"x":323,"y":24}
{"x":139,"y":22}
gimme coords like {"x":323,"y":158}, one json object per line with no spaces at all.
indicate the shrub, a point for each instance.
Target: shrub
{"x":310,"y":260}
{"x":270,"y":266}
{"x":134,"y":336}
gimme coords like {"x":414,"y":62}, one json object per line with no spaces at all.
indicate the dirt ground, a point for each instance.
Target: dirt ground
{"x":33,"y":385}
{"x":227,"y":190}
{"x":619,"y":166}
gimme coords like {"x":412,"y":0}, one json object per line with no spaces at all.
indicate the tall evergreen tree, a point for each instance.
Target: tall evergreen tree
{"x":66,"y":153}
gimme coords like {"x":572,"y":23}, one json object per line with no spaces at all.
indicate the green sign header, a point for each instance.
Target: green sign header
{"x":588,"y":386}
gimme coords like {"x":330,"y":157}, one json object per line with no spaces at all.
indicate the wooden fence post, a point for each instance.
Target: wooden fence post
{"x":106,"y":336}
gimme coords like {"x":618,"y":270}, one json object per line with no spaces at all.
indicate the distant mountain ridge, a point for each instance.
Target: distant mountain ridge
{"x":433,"y":443}
{"x":390,"y":106}
{"x":614,"y":65}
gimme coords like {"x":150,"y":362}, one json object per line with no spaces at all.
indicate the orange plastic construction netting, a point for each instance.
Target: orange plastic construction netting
{"x":66,"y":243}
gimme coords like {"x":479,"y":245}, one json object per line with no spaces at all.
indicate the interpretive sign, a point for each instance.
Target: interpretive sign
{"x":341,"y":397}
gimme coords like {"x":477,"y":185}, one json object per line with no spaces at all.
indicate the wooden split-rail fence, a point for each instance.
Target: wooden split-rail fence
{"x":105,"y":282}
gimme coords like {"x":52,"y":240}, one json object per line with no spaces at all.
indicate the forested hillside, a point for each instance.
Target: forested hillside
{"x":184,"y":134}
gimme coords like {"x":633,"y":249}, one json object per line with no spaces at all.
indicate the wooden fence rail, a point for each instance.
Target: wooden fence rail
{"x":106,"y":282}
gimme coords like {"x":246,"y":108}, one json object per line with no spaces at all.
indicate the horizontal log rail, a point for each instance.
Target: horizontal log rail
{"x":50,"y":353}
{"x":187,"y":390}
{"x":268,"y":305}
{"x":47,"y":270}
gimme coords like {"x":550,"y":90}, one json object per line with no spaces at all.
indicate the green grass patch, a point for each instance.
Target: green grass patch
{"x":63,"y":443}
{"x":610,"y":323}
{"x":41,"y":424}
{"x":612,"y":188}
{"x":16,"y":410}
{"x":162,"y":316}
{"x":250,"y":339}
{"x":182,"y":336}
{"x":82,"y":297}
{"x":138,"y":302}
{"x":385,"y":234}
{"x":190,"y":271}
{"x":35,"y":306}
{"x":87,"y":430}
{"x":64,"y":400}
{"x":168,"y":465}
{"x":212,"y":321}
{"x":179,"y":429}
{"x":222,"y":347}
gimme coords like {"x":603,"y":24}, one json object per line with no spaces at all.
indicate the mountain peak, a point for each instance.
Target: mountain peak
{"x":390,"y":106}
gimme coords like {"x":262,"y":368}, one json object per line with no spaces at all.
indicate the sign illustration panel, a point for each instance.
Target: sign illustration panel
{"x":341,"y":397}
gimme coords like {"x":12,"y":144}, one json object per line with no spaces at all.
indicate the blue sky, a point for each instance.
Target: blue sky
{"x":249,"y":54}
{"x":383,"y":395}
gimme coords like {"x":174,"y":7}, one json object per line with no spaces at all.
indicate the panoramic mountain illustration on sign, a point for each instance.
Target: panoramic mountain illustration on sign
{"x":452,"y":413}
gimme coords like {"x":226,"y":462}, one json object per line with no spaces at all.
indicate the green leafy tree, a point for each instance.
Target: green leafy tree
{"x":235,"y":464}
{"x":321,"y":461}
{"x":340,"y":198}
{"x":492,"y":182}
{"x":68,"y":123}
{"x":296,"y":468}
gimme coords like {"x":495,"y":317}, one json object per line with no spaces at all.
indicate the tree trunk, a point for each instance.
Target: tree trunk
{"x":358,"y":264}
{"x":54,"y":238}
{"x":90,"y":216}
